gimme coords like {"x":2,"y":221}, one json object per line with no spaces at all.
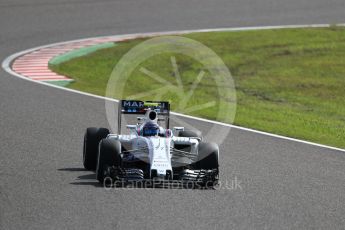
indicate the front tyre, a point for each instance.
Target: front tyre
{"x":109,"y":155}
{"x":208,"y":154}
{"x":92,"y":138}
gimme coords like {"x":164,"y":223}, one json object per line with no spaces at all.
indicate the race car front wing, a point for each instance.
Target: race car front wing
{"x":187,"y":178}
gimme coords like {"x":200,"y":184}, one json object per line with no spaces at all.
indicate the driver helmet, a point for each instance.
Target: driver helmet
{"x":150,"y":129}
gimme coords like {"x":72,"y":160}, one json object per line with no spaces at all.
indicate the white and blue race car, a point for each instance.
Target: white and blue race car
{"x":150,"y":154}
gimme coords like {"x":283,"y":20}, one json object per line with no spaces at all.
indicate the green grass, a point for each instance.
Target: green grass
{"x":289,"y":81}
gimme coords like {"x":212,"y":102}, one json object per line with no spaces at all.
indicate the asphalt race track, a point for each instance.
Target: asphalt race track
{"x":281,"y":184}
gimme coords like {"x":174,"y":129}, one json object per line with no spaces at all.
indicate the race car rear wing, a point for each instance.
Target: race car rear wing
{"x":140,"y":107}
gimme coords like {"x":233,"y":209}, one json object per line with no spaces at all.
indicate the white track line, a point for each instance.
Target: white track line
{"x":6,"y":65}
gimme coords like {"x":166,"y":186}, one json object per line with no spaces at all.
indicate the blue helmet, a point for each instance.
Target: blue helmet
{"x":150,"y":129}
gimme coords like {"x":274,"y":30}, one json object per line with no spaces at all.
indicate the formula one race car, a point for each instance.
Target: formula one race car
{"x":151,"y":154}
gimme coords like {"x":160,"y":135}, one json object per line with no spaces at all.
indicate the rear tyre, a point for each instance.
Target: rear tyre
{"x":189,"y":133}
{"x":92,"y":138}
{"x":208,"y":154}
{"x":109,"y":155}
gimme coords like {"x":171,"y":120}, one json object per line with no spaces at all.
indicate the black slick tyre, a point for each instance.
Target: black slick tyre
{"x":109,"y":155}
{"x":92,"y":138}
{"x":208,"y":154}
